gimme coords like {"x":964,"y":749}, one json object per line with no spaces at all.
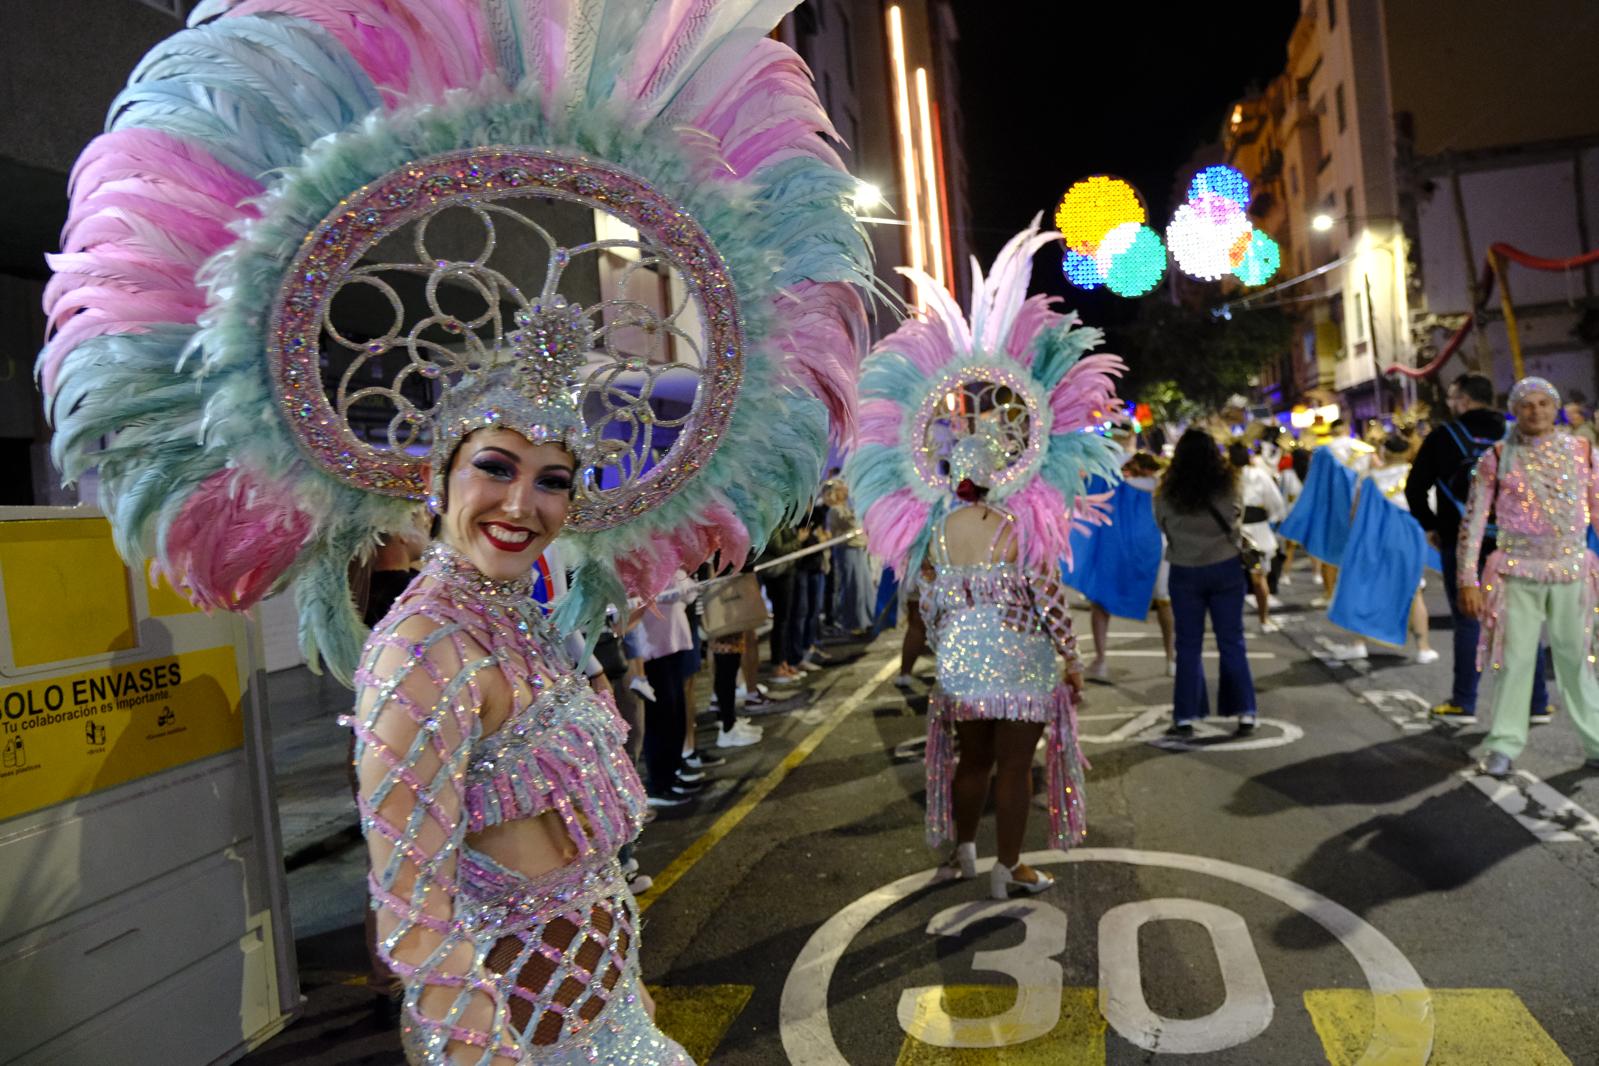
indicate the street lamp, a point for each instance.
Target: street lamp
{"x":1322,"y":222}
{"x":867,"y":196}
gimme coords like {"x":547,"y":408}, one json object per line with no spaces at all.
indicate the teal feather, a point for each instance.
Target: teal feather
{"x":875,"y":470}
{"x":887,"y":375}
{"x":1058,"y":348}
{"x":1074,"y":458}
{"x":330,"y":631}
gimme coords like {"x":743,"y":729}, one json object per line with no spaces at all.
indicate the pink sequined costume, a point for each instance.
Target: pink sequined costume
{"x":1543,"y":503}
{"x":542,"y":969}
{"x":996,"y":629}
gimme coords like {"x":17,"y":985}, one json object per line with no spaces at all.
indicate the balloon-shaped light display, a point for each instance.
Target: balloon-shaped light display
{"x":1223,"y":181}
{"x":1138,"y":267}
{"x":1082,"y":270}
{"x":1102,"y":219}
{"x":1260,"y":260}
{"x":1211,"y":236}
{"x":1093,"y":207}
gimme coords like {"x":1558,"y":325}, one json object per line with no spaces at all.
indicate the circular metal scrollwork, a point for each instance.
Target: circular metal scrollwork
{"x":475,"y":258}
{"x":997,"y":399}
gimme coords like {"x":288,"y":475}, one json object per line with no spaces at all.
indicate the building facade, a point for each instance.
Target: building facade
{"x":1400,"y":142}
{"x":888,"y":77}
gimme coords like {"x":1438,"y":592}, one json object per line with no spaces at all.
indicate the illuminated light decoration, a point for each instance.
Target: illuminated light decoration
{"x":1237,"y":250}
{"x":1227,"y":182}
{"x":1081,"y":270}
{"x":1260,"y":260}
{"x":1138,"y":267}
{"x":1093,"y":207}
{"x":935,"y":238}
{"x":1117,"y":241}
{"x":1200,"y":246}
{"x":908,"y":173}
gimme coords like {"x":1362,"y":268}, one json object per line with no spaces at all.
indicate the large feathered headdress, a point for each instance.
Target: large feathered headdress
{"x":253,"y":312}
{"x":1009,"y":395}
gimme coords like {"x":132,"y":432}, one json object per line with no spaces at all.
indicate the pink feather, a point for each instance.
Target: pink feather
{"x":413,"y":50}
{"x":1041,"y":511}
{"x":138,"y":152}
{"x":925,"y":344}
{"x":892,"y":524}
{"x":880,"y":422}
{"x":233,"y":538}
{"x":766,"y":111}
{"x":648,"y":569}
{"x":822,"y":332}
{"x":1087,"y":387}
{"x":1036,"y":315}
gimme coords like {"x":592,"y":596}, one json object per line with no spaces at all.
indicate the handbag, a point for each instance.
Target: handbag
{"x":733,"y":605}
{"x":1249,"y":554}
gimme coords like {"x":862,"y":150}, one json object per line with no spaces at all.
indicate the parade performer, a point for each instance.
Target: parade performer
{"x":331,"y":258}
{"x":1117,"y":566}
{"x":970,"y":468}
{"x":1436,"y":490}
{"x":1542,"y":487}
{"x":1384,"y":558}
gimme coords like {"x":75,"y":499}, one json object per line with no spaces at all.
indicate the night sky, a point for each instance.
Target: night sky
{"x":1058,"y":91}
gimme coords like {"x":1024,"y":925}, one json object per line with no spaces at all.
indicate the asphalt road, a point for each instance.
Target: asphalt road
{"x":1338,"y":889}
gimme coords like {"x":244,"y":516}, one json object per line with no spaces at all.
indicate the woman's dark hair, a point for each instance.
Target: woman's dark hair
{"x":1197,"y":474}
{"x":1238,"y":454}
{"x":1301,"y":461}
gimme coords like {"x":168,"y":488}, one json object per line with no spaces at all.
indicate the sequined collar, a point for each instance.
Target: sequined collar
{"x":450,"y":568}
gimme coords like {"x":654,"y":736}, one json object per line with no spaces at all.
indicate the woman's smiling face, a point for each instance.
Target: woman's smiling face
{"x":506,"y":500}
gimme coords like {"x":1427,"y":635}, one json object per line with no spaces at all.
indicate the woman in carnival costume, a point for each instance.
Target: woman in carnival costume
{"x":334,"y":257}
{"x":1542,"y":488}
{"x":970,"y":468}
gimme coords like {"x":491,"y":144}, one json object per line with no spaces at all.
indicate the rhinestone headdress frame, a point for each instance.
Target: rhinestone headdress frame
{"x":1002,"y":404}
{"x":613,"y":390}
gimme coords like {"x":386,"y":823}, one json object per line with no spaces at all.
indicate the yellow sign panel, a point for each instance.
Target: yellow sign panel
{"x":68,"y":736}
{"x":67,"y":594}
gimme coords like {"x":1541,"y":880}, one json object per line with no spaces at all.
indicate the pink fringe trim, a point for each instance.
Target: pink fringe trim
{"x":1064,"y":765}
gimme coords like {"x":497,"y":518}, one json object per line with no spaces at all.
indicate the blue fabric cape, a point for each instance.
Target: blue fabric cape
{"x":1320,"y":518}
{"x":1381,"y":570}
{"x":1115,"y":566}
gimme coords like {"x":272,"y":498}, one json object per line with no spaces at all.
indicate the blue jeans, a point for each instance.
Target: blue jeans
{"x":1464,"y":691}
{"x":1217,"y":590}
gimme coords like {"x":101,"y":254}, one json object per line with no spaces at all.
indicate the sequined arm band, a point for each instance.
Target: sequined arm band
{"x":1479,"y":504}
{"x":416,"y":718}
{"x":1054,"y":616}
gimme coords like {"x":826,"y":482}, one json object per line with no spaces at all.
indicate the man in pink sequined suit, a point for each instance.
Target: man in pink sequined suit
{"x":1542,"y":489}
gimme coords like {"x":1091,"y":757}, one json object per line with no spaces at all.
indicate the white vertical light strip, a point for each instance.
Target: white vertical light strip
{"x":909,"y":178}
{"x":935,"y":221}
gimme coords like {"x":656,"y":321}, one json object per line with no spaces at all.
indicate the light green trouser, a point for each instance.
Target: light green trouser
{"x":1528,"y":605}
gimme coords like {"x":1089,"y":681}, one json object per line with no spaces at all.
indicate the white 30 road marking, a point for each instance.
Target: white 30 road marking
{"x":1243,"y":1015}
{"x":1031,"y":964}
{"x":1402,"y":1016}
{"x":1408,"y":712}
{"x":1148,"y":726}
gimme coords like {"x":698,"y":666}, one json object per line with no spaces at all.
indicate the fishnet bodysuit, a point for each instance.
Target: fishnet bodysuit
{"x":498,"y":967}
{"x":996,"y":629}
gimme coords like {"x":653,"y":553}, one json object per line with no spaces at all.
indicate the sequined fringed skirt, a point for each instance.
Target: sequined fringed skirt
{"x":558,"y":958}
{"x":1068,"y":813}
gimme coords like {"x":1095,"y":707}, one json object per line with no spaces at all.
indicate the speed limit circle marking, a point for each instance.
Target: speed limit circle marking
{"x":1402,"y":1015}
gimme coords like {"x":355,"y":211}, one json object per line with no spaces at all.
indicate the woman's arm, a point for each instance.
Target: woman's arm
{"x":417,"y":704}
{"x":1048,"y":599}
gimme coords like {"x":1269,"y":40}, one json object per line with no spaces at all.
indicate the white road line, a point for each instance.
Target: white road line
{"x":1538,"y":808}
{"x":1150,"y":653}
{"x":1146,"y":717}
{"x":1408,"y":712}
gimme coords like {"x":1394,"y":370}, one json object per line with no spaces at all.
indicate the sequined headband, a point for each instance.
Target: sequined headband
{"x":978,"y":458}
{"x":1529,"y":385}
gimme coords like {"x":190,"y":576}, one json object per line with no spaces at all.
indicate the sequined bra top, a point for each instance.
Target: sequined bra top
{"x":562,"y":750}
